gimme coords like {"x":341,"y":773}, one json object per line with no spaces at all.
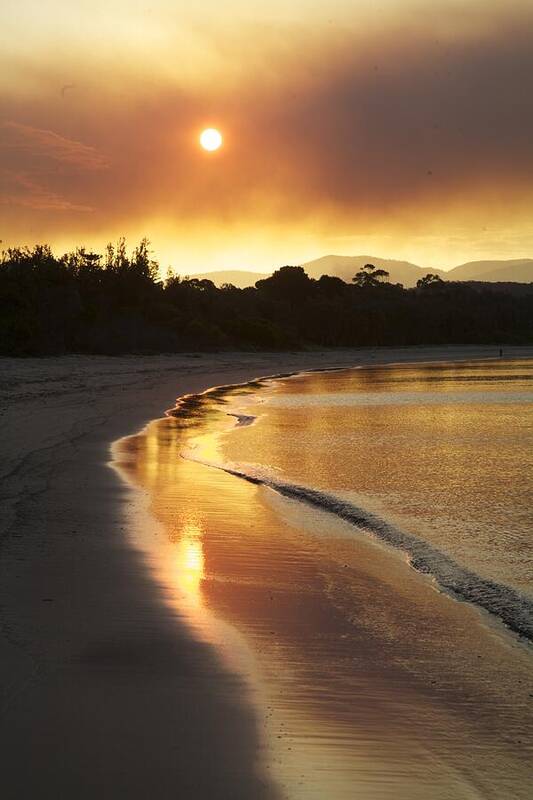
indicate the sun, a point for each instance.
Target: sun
{"x":211,"y":139}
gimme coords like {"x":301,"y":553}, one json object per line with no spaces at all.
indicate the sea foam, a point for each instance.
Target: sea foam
{"x":512,"y":608}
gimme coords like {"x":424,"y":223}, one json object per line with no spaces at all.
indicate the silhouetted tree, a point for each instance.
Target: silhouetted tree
{"x":429,"y":280}
{"x":287,"y":283}
{"x":83,"y":302}
{"x":370,"y":276}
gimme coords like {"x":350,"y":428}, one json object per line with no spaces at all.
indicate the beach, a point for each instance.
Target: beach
{"x":113,"y":686}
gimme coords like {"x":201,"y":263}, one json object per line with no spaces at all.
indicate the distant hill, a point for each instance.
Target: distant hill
{"x":519,"y":270}
{"x":345,"y":267}
{"x":511,"y":271}
{"x":237,"y":277}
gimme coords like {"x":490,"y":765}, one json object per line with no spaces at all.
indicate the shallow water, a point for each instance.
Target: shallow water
{"x":369,"y":681}
{"x":444,"y":451}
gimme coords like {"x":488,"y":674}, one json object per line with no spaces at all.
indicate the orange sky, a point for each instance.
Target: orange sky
{"x":395,"y":128}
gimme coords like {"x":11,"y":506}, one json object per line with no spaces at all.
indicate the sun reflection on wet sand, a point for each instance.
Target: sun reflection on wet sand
{"x":364,"y":677}
{"x":176,"y":554}
{"x":190,"y":563}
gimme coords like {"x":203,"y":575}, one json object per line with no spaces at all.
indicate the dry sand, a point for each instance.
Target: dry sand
{"x":106,"y":692}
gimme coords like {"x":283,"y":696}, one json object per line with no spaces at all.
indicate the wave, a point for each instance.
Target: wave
{"x":189,"y":404}
{"x":512,"y":608}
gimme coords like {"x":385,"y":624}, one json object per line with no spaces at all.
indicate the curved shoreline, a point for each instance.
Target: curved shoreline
{"x":507,"y":605}
{"x":86,"y":642}
{"x":230,"y":555}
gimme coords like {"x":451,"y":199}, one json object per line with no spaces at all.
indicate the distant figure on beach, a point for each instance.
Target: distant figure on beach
{"x":501,"y":352}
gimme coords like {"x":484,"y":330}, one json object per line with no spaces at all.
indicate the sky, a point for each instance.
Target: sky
{"x":397,"y":128}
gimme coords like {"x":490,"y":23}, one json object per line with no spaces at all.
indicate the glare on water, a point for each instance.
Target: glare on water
{"x":372,"y":683}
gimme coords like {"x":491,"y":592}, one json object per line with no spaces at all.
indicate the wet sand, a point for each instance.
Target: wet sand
{"x":116,"y":681}
{"x":369,"y":682}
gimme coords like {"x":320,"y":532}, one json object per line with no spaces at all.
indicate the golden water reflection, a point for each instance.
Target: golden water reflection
{"x":374,"y":685}
{"x":190,"y":562}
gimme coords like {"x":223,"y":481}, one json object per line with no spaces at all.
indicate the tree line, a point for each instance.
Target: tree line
{"x":84,"y":302}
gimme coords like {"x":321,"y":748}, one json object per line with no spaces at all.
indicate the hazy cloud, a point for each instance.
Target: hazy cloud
{"x":394,"y":124}
{"x":387,"y":128}
{"x":24,"y":139}
{"x":18,"y":189}
{"x":35,"y":165}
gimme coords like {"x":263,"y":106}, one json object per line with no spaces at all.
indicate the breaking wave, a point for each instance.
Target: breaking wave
{"x":512,"y":608}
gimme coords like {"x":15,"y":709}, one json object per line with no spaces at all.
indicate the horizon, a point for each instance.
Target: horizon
{"x":166,"y":269}
{"x":365,"y":255}
{"x":222,"y":262}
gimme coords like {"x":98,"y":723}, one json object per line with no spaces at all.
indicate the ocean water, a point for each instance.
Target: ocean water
{"x":367,"y":535}
{"x":436,"y":460}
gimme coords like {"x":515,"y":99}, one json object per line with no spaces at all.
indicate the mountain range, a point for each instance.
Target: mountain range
{"x":515,"y":271}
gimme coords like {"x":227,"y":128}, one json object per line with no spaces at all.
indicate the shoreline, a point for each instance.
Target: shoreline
{"x":231,"y":552}
{"x":94,"y":666}
{"x":416,"y":552}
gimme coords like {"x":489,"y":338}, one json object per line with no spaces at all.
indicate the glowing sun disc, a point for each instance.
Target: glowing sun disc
{"x":211,"y":139}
